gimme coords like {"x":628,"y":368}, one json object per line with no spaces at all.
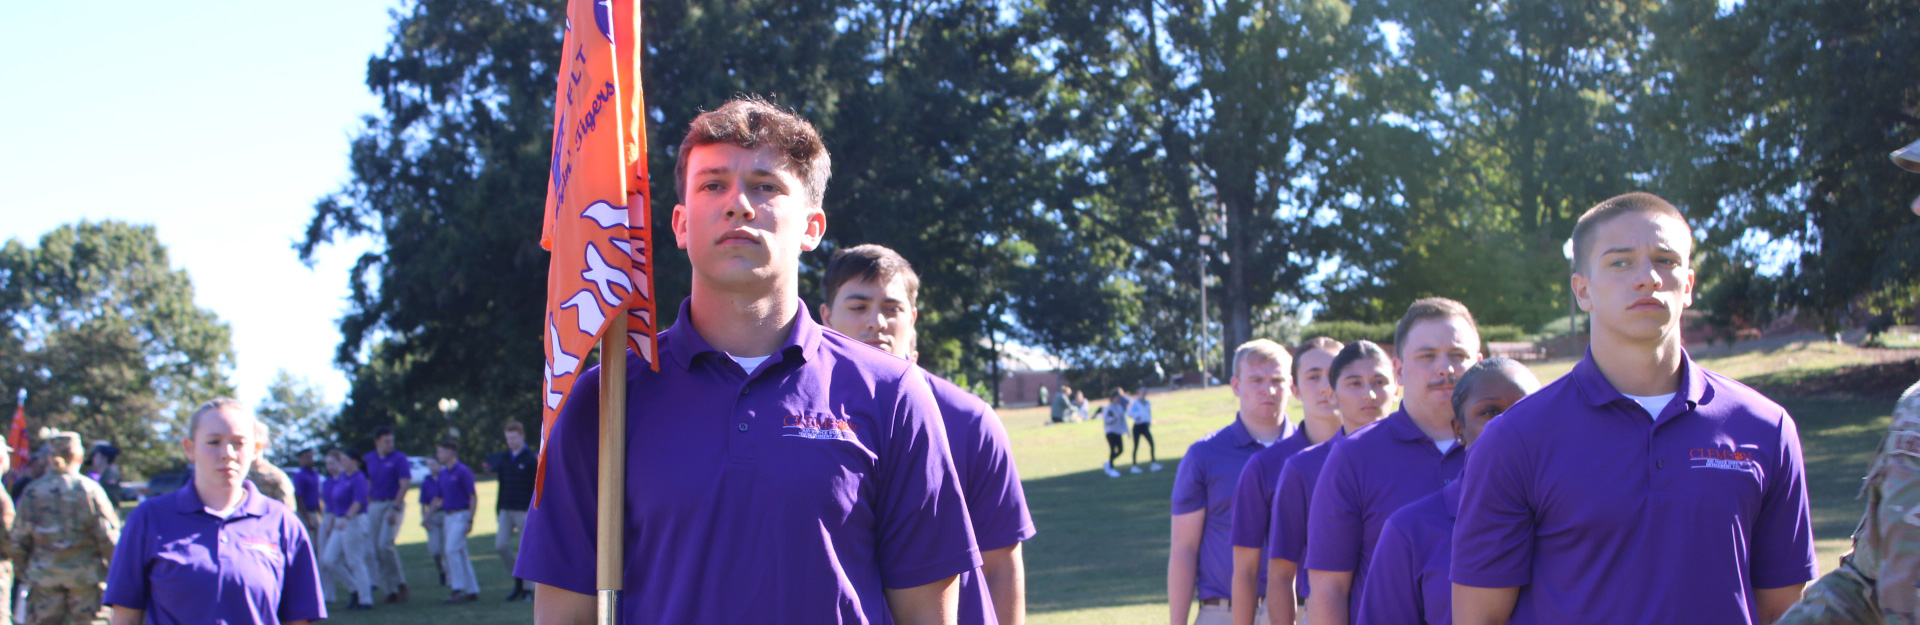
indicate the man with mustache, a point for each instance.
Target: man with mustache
{"x":1640,"y":487}
{"x":872,"y":294}
{"x":776,"y":471}
{"x":1392,"y":462}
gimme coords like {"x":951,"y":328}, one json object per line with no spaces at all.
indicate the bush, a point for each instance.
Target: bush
{"x":1350,"y":331}
{"x":1504,"y":334}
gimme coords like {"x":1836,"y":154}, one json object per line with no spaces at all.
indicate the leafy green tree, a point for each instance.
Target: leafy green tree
{"x":297,"y":413}
{"x":1774,"y":130}
{"x":104,"y":334}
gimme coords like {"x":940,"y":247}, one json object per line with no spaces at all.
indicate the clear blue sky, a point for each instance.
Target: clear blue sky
{"x":218,"y":122}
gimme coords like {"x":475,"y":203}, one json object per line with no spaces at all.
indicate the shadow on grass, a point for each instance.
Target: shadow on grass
{"x":1837,"y":438}
{"x":428,"y":596}
{"x":1102,"y":541}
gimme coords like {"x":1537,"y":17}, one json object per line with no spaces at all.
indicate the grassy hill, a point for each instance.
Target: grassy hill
{"x":1101,"y":553}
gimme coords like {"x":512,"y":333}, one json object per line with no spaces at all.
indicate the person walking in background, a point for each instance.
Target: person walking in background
{"x":105,"y":469}
{"x":345,"y":557}
{"x":456,"y":502}
{"x":63,"y":538}
{"x":1200,"y":556}
{"x":1114,"y":416}
{"x":215,"y":550}
{"x":388,"y":478}
{"x":1361,"y":377}
{"x":1637,"y":461}
{"x":1141,"y":411}
{"x":516,"y":468}
{"x":1062,"y":403}
{"x":306,"y":497}
{"x":1253,"y":496}
{"x":1407,"y":580}
{"x":267,"y":478}
{"x":433,"y":519}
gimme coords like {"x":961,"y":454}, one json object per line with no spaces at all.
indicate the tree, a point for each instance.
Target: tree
{"x":300,"y":418}
{"x":104,"y":334}
{"x":1775,"y":125}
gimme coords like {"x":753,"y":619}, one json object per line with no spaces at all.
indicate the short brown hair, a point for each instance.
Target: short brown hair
{"x":1429,"y":308}
{"x":1262,"y":349}
{"x":750,"y":123}
{"x":868,"y":263}
{"x":1318,"y":342}
{"x":450,"y":444}
{"x":1637,"y":202}
{"x":514,"y":426}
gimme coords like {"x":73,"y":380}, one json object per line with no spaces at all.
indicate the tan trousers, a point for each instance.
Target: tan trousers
{"x":506,"y":541}
{"x":1223,"y":615}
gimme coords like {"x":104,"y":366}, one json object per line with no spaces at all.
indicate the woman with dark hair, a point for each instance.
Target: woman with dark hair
{"x":348,"y":545}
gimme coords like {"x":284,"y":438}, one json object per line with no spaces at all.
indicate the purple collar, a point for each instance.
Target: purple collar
{"x":187,"y":500}
{"x":1597,"y":391}
{"x":803,"y":342}
{"x":1237,"y":435}
{"x":1401,"y":426}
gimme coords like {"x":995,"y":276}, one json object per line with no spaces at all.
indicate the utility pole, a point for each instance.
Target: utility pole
{"x":1205,"y":240}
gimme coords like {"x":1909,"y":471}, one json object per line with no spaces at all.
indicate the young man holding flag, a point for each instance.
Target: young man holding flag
{"x":775,"y":471}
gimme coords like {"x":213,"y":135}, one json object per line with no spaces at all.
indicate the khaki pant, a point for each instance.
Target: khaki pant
{"x":66,"y":605}
{"x":436,"y":542}
{"x":389,"y":573}
{"x":506,"y":541}
{"x":459,"y":563}
{"x":1223,"y":615}
{"x":345,"y":560}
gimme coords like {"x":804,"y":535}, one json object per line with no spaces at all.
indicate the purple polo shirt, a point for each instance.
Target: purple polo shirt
{"x":306,"y":489}
{"x":996,"y":503}
{"x":1292,"y":498}
{"x":384,"y":475}
{"x":1407,"y":581}
{"x":1206,"y":480}
{"x":1253,"y":497}
{"x":1379,"y":468}
{"x":183,"y":565}
{"x":343,"y":492}
{"x":430,"y":488}
{"x":799,"y":492}
{"x":1632,"y":519}
{"x":456,"y":487}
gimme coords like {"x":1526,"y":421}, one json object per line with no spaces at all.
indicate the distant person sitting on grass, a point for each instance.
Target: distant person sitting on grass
{"x":1141,"y":411}
{"x":1115,"y":418}
{"x":1080,"y":412}
{"x":1062,"y":404}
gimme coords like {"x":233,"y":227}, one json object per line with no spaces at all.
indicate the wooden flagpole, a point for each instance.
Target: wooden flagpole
{"x":613,"y":468}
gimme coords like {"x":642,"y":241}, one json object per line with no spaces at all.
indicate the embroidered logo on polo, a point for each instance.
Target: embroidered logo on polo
{"x":1723,"y":459}
{"x":819,"y":427}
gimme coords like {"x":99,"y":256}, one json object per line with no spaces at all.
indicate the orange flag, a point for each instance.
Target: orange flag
{"x":17,"y":435}
{"x":597,"y":222}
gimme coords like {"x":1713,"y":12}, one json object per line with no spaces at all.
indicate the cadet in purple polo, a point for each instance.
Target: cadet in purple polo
{"x":1407,"y":580}
{"x":349,"y":548}
{"x":872,"y":295}
{"x":1639,"y":488}
{"x":1361,"y":380}
{"x":776,"y":471}
{"x":306,"y":493}
{"x":388,"y":478}
{"x":1253,"y":497}
{"x":456,"y":502}
{"x":1379,"y":468}
{"x":1200,"y":557}
{"x":215,"y":550}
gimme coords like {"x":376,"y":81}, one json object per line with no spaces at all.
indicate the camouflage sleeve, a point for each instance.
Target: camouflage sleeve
{"x":107,"y":529}
{"x":22,"y":532}
{"x":1842,"y":596}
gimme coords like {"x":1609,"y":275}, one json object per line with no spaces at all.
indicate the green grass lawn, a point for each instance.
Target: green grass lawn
{"x":1101,"y":553}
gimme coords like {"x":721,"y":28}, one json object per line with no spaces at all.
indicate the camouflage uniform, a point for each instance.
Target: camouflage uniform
{"x":272,"y":482}
{"x":1879,"y":582}
{"x":63,"y":540}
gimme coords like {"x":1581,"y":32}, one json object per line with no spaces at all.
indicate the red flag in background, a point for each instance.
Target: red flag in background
{"x":597,"y":218}
{"x":17,"y":435}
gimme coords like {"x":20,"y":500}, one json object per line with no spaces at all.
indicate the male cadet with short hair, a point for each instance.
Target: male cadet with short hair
{"x":1253,"y":497}
{"x":872,"y":294}
{"x":306,"y":494}
{"x":388,"y":477}
{"x":1640,"y":487}
{"x":63,"y":539}
{"x":268,"y":479}
{"x":1880,"y":578}
{"x":776,"y":471}
{"x":515,"y":468}
{"x":456,"y":502}
{"x":1407,"y":455}
{"x":1201,"y":555}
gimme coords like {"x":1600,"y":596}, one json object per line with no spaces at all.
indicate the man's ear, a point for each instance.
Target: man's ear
{"x":1581,"y":295}
{"x":816,"y":230}
{"x":679,"y":225}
